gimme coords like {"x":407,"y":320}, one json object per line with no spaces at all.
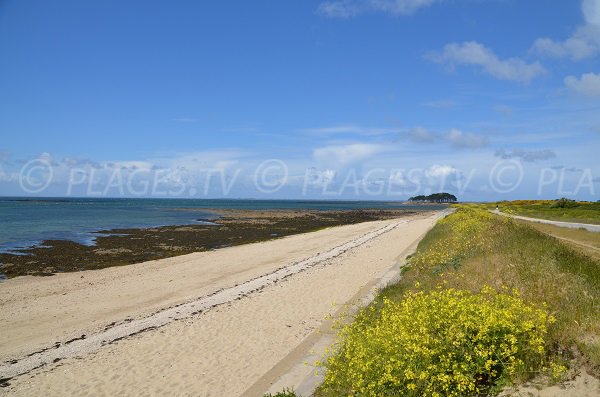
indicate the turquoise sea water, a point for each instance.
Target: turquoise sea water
{"x":27,"y":221}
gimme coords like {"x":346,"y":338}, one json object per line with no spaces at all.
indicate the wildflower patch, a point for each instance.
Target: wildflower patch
{"x":447,"y":343}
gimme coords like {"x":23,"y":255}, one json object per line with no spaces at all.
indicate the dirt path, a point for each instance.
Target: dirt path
{"x":571,"y":225}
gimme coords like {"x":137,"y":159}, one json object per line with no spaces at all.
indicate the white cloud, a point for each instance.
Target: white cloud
{"x":529,"y":156}
{"x":349,"y":129}
{"x":339,"y":9}
{"x":345,"y":155}
{"x":7,"y":177}
{"x":460,"y":139}
{"x":397,"y":178}
{"x":441,"y":171}
{"x":352,"y":8}
{"x":338,"y":129}
{"x":316,"y":177}
{"x":591,"y":11}
{"x":583,"y":43}
{"x":454,"y":137}
{"x":47,"y":157}
{"x":201,"y":160}
{"x":577,"y":47}
{"x":80,"y":162}
{"x":131,"y":165}
{"x":400,"y":7}
{"x":421,"y":135}
{"x":476,"y":54}
{"x":588,"y":84}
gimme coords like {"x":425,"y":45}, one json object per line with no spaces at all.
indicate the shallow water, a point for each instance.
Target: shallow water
{"x":29,"y":221}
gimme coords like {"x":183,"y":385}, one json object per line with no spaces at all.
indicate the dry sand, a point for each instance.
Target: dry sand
{"x":219,"y":352}
{"x":583,"y":385}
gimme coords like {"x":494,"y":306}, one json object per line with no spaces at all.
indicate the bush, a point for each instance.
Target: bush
{"x":564,"y":203}
{"x":444,"y":343}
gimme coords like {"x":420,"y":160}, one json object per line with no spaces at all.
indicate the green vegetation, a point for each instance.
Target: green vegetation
{"x":564,"y":203}
{"x":486,"y":301}
{"x":580,"y":240}
{"x":283,"y":393}
{"x":446,"y":342}
{"x":435,"y":198}
{"x":558,"y":210}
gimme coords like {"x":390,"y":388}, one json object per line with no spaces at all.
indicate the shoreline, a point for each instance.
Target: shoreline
{"x":119,"y":247}
{"x":304,"y":292}
{"x":114,"y":332}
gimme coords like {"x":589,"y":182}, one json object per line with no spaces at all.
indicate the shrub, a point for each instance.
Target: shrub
{"x":564,"y":203}
{"x":446,"y":343}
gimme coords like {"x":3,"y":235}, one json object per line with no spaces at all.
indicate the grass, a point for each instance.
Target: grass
{"x":583,"y":212}
{"x":462,"y":253}
{"x":579,"y":239}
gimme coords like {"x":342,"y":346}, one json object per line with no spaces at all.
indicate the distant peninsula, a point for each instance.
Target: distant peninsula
{"x":435,"y":198}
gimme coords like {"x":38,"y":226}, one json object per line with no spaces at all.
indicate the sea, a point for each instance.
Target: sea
{"x":27,"y":222}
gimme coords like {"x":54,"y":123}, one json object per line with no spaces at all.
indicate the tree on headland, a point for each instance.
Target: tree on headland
{"x":435,"y":198}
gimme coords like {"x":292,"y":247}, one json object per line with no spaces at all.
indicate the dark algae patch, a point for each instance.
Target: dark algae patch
{"x":120,"y":247}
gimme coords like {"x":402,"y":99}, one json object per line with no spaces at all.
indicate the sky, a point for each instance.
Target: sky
{"x":339,"y":99}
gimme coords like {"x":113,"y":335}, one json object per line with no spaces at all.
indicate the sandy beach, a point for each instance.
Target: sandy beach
{"x":213,"y":322}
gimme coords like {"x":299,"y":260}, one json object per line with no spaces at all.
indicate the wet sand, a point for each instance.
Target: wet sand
{"x":119,"y":247}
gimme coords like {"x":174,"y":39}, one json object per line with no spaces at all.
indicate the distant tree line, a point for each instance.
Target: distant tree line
{"x":435,"y":198}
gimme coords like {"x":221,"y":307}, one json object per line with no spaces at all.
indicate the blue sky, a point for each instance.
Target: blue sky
{"x":379,"y":99}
